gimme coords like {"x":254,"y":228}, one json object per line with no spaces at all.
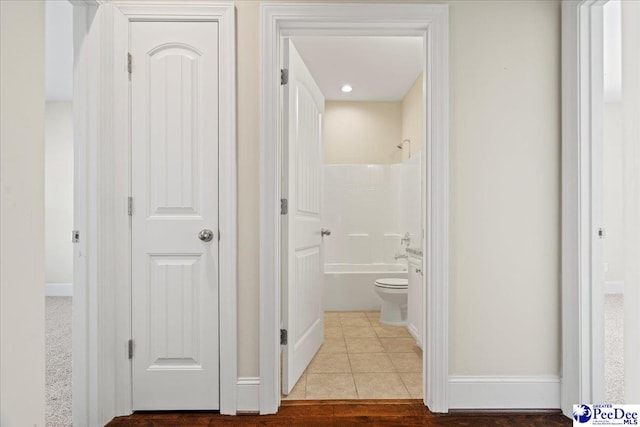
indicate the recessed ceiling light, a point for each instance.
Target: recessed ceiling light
{"x":346,"y":88}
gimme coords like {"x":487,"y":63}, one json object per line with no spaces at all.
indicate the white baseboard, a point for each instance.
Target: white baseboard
{"x":248,"y":394}
{"x":527,"y":392}
{"x":614,"y":287}
{"x":59,"y":290}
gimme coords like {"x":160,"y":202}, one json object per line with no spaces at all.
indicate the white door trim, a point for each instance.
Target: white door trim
{"x":86,"y":32}
{"x":582,"y":311}
{"x":431,"y":21}
{"x":102,"y":302}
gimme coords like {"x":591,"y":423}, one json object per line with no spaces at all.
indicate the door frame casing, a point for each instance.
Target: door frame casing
{"x":430,"y":21}
{"x":582,"y":107}
{"x":102,"y":265}
{"x":86,"y":32}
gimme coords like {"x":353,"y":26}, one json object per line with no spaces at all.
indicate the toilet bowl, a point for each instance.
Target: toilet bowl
{"x":393,"y":292}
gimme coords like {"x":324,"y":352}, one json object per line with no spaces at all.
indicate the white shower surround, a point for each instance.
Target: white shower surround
{"x":349,"y":287}
{"x":368,"y":209}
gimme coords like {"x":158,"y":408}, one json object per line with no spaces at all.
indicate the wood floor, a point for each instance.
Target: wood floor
{"x":401,"y":413}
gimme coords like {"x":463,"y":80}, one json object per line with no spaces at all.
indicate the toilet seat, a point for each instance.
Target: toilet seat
{"x":392,"y":283}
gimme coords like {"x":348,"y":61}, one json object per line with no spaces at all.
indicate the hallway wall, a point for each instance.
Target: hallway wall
{"x":505,"y":184}
{"x":505,"y":188}
{"x":22,"y":401}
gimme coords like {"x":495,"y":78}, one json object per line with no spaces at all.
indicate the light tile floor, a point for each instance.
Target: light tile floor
{"x":362,"y":359}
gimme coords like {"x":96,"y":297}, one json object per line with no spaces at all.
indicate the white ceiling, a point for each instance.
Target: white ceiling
{"x":59,"y":50}
{"x":378,"y":68}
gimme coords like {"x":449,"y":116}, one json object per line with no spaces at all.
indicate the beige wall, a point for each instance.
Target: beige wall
{"x":412,"y":114}
{"x":362,"y":132}
{"x":505,"y":184}
{"x":22,"y":357}
{"x":248,"y":48}
{"x":369,"y":132}
{"x":631,"y":165}
{"x":505,"y":187}
{"x":58,"y":205}
{"x":613,"y":244}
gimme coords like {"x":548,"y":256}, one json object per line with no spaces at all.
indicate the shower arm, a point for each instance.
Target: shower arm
{"x":401,"y":145}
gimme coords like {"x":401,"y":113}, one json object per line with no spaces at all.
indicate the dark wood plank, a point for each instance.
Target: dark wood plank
{"x":328,"y":413}
{"x":306,"y":411}
{"x":379,"y":408}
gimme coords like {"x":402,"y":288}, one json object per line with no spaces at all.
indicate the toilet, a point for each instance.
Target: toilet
{"x":393,"y":292}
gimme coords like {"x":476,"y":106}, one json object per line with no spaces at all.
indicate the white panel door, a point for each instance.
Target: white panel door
{"x":303,"y":270}
{"x":174,"y":138}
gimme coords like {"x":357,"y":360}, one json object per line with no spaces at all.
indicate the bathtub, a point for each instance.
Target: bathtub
{"x":349,"y":287}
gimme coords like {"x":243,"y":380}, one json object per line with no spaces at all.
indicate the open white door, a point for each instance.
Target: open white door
{"x":174,"y":139}
{"x":302,"y":257}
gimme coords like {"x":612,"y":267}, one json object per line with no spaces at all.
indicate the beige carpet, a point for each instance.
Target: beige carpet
{"x":58,"y":347}
{"x":614,"y":348}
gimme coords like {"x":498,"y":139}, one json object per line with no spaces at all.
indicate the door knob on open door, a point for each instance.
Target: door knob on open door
{"x":324,"y":232}
{"x":205,"y":235}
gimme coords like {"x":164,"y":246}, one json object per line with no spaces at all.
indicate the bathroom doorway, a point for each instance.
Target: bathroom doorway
{"x":352,"y":309}
{"x":430,"y":23}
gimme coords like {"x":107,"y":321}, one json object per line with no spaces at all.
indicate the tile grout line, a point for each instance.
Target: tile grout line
{"x":306,"y":377}
{"x":404,"y":385}
{"x":353,"y":378}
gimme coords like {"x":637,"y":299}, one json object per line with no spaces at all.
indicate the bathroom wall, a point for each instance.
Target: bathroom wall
{"x":362,"y":132}
{"x":368,"y":208}
{"x":410,"y":199}
{"x":412,"y":119}
{"x":369,"y":132}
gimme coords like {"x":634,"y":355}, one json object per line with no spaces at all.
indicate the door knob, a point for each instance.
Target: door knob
{"x":324,"y":232}
{"x":205,"y":235}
